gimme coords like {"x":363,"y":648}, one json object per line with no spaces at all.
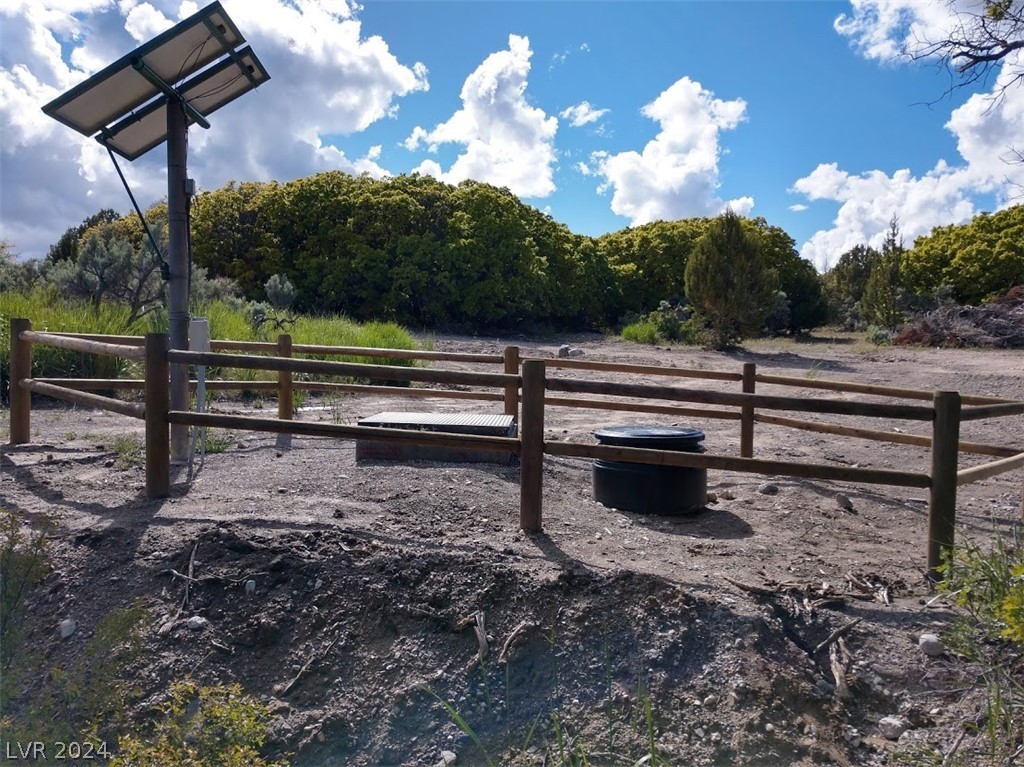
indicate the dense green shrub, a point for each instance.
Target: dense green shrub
{"x":641,"y":332}
{"x":214,"y":726}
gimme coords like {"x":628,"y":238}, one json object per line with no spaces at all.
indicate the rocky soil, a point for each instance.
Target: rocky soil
{"x":355,"y":597}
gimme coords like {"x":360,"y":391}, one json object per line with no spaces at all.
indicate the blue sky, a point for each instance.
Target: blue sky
{"x":603,"y":114}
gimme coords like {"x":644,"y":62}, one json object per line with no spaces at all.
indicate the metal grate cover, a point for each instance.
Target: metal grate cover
{"x":461,"y":423}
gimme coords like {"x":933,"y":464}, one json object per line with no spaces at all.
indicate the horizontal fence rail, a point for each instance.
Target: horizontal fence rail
{"x":729,"y":463}
{"x":876,"y":389}
{"x":623,"y":367}
{"x":83,"y":345}
{"x":636,"y":407}
{"x":907,"y":412}
{"x":878,"y":435}
{"x":318,"y":429}
{"x":525,"y":387}
{"x":978,"y":473}
{"x":84,"y":398}
{"x":992,"y":411}
{"x":349,"y":369}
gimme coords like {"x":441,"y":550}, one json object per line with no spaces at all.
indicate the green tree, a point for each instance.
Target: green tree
{"x":110,"y":268}
{"x":280,"y":292}
{"x":16,"y":276}
{"x":845,"y":284}
{"x":802,"y":305}
{"x":976,"y":260}
{"x":728,"y":282}
{"x":883,"y":303}
{"x":66,"y":248}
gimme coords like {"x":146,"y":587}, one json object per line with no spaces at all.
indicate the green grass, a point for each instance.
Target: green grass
{"x":642,"y":332}
{"x":130,"y":451}
{"x":988,"y":586}
{"x":50,"y":312}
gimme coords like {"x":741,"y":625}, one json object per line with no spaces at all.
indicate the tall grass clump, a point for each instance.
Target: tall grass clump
{"x":229,"y":320}
{"x":669,"y":323}
{"x":988,"y":586}
{"x":49,"y":311}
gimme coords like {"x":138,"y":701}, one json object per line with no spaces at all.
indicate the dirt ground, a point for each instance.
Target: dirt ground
{"x":369,"y":577}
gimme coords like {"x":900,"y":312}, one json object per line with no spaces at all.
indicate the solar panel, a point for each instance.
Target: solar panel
{"x":207,"y":92}
{"x":173,"y":56}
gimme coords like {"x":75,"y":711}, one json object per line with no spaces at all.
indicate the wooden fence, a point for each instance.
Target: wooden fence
{"x":523,"y":387}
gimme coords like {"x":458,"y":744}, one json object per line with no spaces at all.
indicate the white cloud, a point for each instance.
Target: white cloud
{"x":869,"y":201}
{"x":887,"y":29}
{"x":144,"y":22}
{"x":327,"y":78}
{"x":798,"y":208}
{"x":582,"y":114}
{"x":676,"y":175}
{"x":987,"y":128}
{"x":506,"y":141}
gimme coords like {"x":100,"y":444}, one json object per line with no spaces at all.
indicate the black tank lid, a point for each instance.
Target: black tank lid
{"x":655,"y":437}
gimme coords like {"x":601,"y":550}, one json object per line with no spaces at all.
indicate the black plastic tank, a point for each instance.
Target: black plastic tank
{"x":645,"y":488}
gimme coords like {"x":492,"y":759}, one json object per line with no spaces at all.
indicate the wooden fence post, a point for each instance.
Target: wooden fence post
{"x":531,"y":440}
{"x":158,"y":399}
{"x":285,"y":410}
{"x":21,"y":399}
{"x":942,"y":497}
{"x":747,"y":412}
{"x":512,"y":391}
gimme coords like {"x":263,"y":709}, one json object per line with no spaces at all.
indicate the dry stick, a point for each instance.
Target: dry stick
{"x":313,"y":656}
{"x":189,"y":578}
{"x":176,"y":574}
{"x":752,"y":589}
{"x":842,"y":689}
{"x":481,"y":635}
{"x":518,"y":631}
{"x":953,"y":749}
{"x":835,"y":635}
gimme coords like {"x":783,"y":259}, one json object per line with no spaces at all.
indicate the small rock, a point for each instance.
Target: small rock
{"x":825,"y":687}
{"x":282,"y":490}
{"x":716,"y":737}
{"x":250,"y":587}
{"x":68,"y":626}
{"x":844,"y":502}
{"x":448,"y":757}
{"x":712,"y":498}
{"x":197,"y":623}
{"x":930,"y":645}
{"x":574,"y":352}
{"x":769,"y":727}
{"x":563,"y":351}
{"x":710,"y":701}
{"x":892,"y":727}
{"x":109,"y":464}
{"x":699,"y":732}
{"x":768,"y":489}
